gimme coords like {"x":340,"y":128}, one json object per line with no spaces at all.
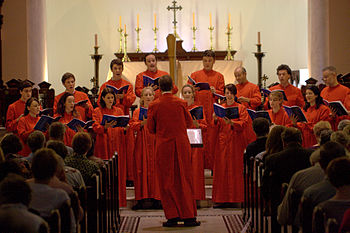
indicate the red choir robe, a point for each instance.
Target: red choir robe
{"x":228,"y":163}
{"x":337,"y":93}
{"x":125,"y":104}
{"x":251,"y":91}
{"x":293,"y":94}
{"x":24,"y":128}
{"x":139,"y":82}
{"x":145,"y":173}
{"x":111,"y":140}
{"x":168,"y":119}
{"x":69,"y":133}
{"x":207,"y":99}
{"x":78,"y":96}
{"x":313,"y":116}
{"x":280,"y":118}
{"x":197,"y":160}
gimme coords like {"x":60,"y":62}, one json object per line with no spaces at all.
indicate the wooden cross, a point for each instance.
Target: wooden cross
{"x":175,"y":8}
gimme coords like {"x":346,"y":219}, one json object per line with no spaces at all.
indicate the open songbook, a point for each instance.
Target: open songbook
{"x":195,"y":137}
{"x":221,"y":97}
{"x":201,"y":85}
{"x":268,"y":92}
{"x":295,"y":110}
{"x":81,"y":102}
{"x":120,"y":90}
{"x":337,"y":106}
{"x":44,"y":122}
{"x":143,"y":113}
{"x":46,"y":111}
{"x":75,"y":122}
{"x":148,"y":81}
{"x":122,"y":121}
{"x":255,"y":114}
{"x":229,"y":112}
{"x":197,"y":112}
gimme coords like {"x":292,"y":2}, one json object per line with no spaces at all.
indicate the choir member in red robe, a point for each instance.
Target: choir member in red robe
{"x":153,"y":72}
{"x":145,"y":174}
{"x":228,"y":163}
{"x":168,"y":119}
{"x":66,"y":109}
{"x":335,"y":92}
{"x":110,"y":140}
{"x":293,"y":94}
{"x":207,"y":99}
{"x":16,"y":110}
{"x":248,"y":94}
{"x":85,"y":110}
{"x":123,"y":101}
{"x":197,"y":154}
{"x":277,"y":113}
{"x":315,"y":111}
{"x":26,"y":123}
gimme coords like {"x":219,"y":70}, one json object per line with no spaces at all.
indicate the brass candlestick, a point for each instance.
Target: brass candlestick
{"x":259,"y":55}
{"x":155,"y":29}
{"x":126,"y":57}
{"x":228,"y":33}
{"x":120,"y":30}
{"x":211,"y":28}
{"x":194,"y":29}
{"x":138,"y":50}
{"x":95,"y":80}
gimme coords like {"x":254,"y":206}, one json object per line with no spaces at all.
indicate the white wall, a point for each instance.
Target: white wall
{"x":71,"y":25}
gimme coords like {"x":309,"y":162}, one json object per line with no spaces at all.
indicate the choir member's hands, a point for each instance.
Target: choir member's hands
{"x":126,"y":127}
{"x":333,"y":112}
{"x":212,"y":89}
{"x":19,"y":117}
{"x":228,"y":121}
{"x":243,"y":99}
{"x":79,"y":128}
{"x":155,"y":87}
{"x":294,"y":119}
{"x":120,"y":96}
{"x":196,"y":88}
{"x":215,"y":117}
{"x":144,"y":121}
{"x":195,"y":122}
{"x":110,"y":124}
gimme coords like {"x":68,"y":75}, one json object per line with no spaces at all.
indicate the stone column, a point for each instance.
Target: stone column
{"x":318,"y":37}
{"x":36,"y":35}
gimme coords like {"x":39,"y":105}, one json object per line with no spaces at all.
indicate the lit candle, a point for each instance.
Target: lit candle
{"x":193,"y":20}
{"x":138,"y":20}
{"x":210,"y":19}
{"x":95,"y":40}
{"x":155,"y":20}
{"x":124,"y":28}
{"x":229,"y":20}
{"x":258,"y":37}
{"x":120,"y":22}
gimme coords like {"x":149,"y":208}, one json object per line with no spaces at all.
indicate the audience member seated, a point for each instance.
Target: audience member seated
{"x":15,"y":196}
{"x":342,"y":138}
{"x":72,"y":175}
{"x":342,"y":124}
{"x":35,"y":141}
{"x":318,"y":128}
{"x":261,"y":129}
{"x":45,"y":198}
{"x":81,"y":145}
{"x":56,"y":132}
{"x":323,"y":190}
{"x":273,"y":142}
{"x":10,"y":145}
{"x":338,"y":172}
{"x":10,"y":166}
{"x":280,"y":167}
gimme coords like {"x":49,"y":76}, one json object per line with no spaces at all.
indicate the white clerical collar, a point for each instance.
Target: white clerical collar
{"x":166,"y":92}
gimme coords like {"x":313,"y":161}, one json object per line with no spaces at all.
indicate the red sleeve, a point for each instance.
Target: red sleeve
{"x":240,"y":123}
{"x":23,"y":130}
{"x":219,"y":89}
{"x":255,"y":101}
{"x":300,"y":99}
{"x":135,"y":123}
{"x":97,"y":117}
{"x":129,"y":97}
{"x":151,"y":121}
{"x":11,"y":121}
{"x":138,"y":85}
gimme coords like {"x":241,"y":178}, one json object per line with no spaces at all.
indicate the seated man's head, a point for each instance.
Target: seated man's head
{"x":261,"y":126}
{"x":81,"y":143}
{"x":56,"y":131}
{"x":36,"y":140}
{"x":291,"y":135}
{"x":319,"y":127}
{"x":165,"y":83}
{"x":10,"y":144}
{"x":338,"y":172}
{"x":10,"y":166}
{"x":343,"y":123}
{"x":44,"y":165}
{"x":330,"y":151}
{"x":58,"y":147}
{"x":14,"y":189}
{"x":341,"y":137}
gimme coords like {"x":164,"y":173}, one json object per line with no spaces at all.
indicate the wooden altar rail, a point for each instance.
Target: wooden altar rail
{"x":181,"y":54}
